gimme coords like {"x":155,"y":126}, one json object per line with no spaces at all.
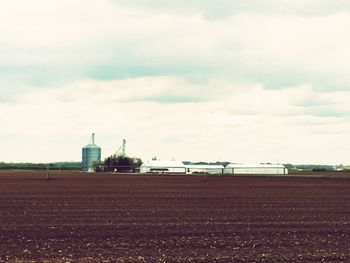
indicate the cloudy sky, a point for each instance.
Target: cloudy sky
{"x":237,"y":80}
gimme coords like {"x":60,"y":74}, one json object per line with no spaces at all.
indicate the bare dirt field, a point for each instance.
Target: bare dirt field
{"x":133,"y":218}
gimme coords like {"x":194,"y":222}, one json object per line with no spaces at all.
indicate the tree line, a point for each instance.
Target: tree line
{"x":42,"y":166}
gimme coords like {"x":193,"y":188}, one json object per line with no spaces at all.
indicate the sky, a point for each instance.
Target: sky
{"x":245,"y":81}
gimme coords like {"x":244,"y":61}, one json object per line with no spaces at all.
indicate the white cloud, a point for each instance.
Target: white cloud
{"x":221,"y":9}
{"x":280,"y":49}
{"x":159,"y":89}
{"x":251,"y":125}
{"x":257,"y":84}
{"x":41,"y":23}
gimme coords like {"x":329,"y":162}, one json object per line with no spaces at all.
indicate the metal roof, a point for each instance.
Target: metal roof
{"x":91,"y":146}
{"x":158,"y":163}
{"x":233,"y":165}
{"x":204,"y":166}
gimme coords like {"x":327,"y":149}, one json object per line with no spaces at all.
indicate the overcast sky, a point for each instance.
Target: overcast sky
{"x":227,"y":80}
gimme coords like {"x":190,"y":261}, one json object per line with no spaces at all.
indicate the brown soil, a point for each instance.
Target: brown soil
{"x":120,"y":218}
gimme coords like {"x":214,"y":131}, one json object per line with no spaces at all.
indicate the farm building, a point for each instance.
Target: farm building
{"x":204,"y":168}
{"x":158,"y":166}
{"x":255,"y":169}
{"x":91,"y":154}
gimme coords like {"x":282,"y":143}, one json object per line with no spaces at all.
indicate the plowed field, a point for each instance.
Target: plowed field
{"x":133,"y":218}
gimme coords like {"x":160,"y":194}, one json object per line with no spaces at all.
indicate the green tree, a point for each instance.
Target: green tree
{"x":121,"y":164}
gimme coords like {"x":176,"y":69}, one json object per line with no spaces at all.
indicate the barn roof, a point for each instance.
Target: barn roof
{"x":159,"y":164}
{"x":234,"y":165}
{"x":204,"y":166}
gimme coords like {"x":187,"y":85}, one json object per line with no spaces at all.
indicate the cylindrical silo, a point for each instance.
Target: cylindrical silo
{"x":91,"y":155}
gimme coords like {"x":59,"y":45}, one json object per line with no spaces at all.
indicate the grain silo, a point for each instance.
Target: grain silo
{"x":91,"y":155}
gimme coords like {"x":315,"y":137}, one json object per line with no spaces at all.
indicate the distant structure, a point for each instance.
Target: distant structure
{"x":122,"y":149}
{"x":163,"y":167}
{"x":173,"y":166}
{"x":91,"y":154}
{"x":270,"y":169}
{"x":204,"y":169}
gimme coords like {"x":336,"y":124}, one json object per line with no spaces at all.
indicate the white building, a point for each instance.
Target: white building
{"x":204,"y":168}
{"x":157,"y":166}
{"x":255,"y":169}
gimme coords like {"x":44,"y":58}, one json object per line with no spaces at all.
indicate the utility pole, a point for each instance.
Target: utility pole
{"x":48,"y":172}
